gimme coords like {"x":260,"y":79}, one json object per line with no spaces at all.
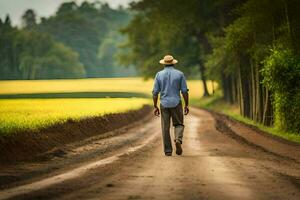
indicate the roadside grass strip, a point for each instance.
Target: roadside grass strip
{"x":215,"y":103}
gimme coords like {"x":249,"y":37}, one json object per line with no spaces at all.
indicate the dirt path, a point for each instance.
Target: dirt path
{"x":213,"y":166}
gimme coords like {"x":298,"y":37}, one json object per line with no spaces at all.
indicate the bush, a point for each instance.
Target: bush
{"x":281,"y":74}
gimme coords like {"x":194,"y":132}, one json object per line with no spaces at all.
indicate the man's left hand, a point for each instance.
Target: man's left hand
{"x":156,"y":111}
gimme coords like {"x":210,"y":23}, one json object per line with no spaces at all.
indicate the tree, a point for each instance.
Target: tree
{"x":32,"y":55}
{"x":232,"y":41}
{"x":83,"y":28}
{"x":8,"y":53}
{"x":61,"y":62}
{"x":183,"y":30}
{"x":253,"y":43}
{"x":76,"y":31}
{"x":29,"y":19}
{"x":7,"y":21}
{"x":79,"y":28}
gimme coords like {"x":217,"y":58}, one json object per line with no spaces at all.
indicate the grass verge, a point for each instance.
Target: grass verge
{"x":215,"y":103}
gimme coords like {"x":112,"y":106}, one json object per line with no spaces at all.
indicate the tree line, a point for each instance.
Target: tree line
{"x":251,"y":47}
{"x":77,"y":41}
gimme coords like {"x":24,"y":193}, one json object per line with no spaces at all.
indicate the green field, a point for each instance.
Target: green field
{"x":103,"y":85}
{"x":30,"y":105}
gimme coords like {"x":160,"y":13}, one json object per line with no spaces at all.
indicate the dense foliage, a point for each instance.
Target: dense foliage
{"x":32,"y":55}
{"x":251,"y":47}
{"x":281,"y":75}
{"x":78,"y":41}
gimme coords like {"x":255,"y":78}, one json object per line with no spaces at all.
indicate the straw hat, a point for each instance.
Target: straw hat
{"x":168,"y":60}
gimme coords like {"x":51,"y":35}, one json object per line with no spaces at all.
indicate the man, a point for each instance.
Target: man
{"x":169,"y":83}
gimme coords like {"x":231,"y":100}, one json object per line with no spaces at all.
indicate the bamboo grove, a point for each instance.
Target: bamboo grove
{"x":251,"y":47}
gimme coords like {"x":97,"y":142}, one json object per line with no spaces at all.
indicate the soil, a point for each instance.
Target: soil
{"x":254,"y":136}
{"x":29,"y":145}
{"x":217,"y":163}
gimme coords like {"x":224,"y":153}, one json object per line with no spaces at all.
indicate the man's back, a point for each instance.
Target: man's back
{"x":169,"y":82}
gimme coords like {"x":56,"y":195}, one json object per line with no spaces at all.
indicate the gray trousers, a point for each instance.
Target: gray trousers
{"x":177,"y":119}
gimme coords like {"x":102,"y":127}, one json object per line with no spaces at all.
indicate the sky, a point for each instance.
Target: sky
{"x":43,"y":8}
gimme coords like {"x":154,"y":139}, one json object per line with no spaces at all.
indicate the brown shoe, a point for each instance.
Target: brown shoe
{"x":178,"y":148}
{"x":168,"y":153}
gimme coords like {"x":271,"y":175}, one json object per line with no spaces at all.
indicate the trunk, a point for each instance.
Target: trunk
{"x":253,"y":92}
{"x":287,"y":18}
{"x":202,"y":39}
{"x":247,"y":100}
{"x":230,"y":93}
{"x":267,"y":118}
{"x":213,"y":87}
{"x":225,"y":87}
{"x":203,"y":77}
{"x":233,"y":89}
{"x":291,"y":10}
{"x":240,"y":92}
{"x":228,"y":85}
{"x":256,"y":92}
{"x":255,"y":87}
{"x":246,"y":86}
{"x":259,"y":95}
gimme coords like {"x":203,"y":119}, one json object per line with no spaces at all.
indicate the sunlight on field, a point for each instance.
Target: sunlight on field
{"x":47,"y":108}
{"x":137,"y":85}
{"x":36,"y":113}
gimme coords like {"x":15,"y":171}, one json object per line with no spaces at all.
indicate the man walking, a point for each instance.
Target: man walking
{"x":169,"y":82}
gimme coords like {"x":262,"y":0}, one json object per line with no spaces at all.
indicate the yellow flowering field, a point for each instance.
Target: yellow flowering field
{"x":32,"y":114}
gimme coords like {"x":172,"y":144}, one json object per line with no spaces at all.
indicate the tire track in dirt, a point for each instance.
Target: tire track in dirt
{"x":74,"y":173}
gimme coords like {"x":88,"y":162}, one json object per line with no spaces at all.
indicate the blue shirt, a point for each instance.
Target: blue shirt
{"x":169,"y":82}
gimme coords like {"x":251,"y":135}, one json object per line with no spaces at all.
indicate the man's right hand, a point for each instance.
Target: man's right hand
{"x":156,"y":111}
{"x":186,"y":110}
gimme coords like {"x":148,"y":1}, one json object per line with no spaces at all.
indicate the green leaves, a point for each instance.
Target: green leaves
{"x":84,"y":28}
{"x":281,"y":71}
{"x":281,"y":74}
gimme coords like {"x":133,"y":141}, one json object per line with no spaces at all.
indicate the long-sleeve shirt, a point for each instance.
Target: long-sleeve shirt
{"x":169,"y":82}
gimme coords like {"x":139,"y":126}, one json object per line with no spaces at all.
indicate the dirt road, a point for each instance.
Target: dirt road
{"x":131,"y":165}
